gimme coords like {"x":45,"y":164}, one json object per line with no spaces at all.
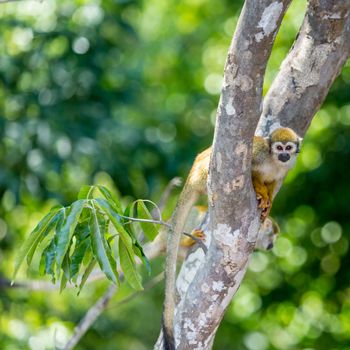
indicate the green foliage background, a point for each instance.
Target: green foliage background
{"x":123,"y":93}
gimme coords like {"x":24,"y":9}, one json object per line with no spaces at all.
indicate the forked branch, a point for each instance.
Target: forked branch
{"x":306,"y":75}
{"x":233,"y":215}
{"x":320,"y":51}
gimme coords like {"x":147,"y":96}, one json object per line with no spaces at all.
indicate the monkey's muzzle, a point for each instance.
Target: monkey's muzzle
{"x":284,"y":157}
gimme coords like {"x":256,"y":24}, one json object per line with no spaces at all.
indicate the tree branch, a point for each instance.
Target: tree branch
{"x":5,"y":1}
{"x":152,"y":250}
{"x":233,"y":215}
{"x":101,"y":304}
{"x":175,"y":182}
{"x":307,"y":73}
{"x":320,"y":50}
{"x":90,"y":317}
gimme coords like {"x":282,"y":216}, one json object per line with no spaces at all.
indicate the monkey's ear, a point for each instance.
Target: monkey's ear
{"x":300,"y":142}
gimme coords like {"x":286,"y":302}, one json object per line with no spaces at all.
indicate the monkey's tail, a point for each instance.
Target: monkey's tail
{"x":186,"y":201}
{"x":168,"y":338}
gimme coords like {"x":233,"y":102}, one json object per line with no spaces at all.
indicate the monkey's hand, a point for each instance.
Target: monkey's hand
{"x":189,"y":241}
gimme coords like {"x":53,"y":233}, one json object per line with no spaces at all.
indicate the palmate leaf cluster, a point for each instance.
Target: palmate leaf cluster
{"x":93,"y":230}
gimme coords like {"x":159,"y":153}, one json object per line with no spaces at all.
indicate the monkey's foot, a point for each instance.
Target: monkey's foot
{"x":189,"y":241}
{"x":264,"y":203}
{"x":264,"y":214}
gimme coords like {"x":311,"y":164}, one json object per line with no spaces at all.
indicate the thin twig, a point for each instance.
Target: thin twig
{"x":5,"y":1}
{"x":175,"y":182}
{"x":158,"y":222}
{"x":33,"y":285}
{"x":156,"y":211}
{"x":90,"y":317}
{"x":151,"y":250}
{"x":96,"y":310}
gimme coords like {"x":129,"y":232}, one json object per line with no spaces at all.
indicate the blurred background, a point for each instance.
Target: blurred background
{"x":123,"y":93}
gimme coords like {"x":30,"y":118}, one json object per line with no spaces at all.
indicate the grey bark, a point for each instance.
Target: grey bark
{"x":233,"y":211}
{"x":319,"y":52}
{"x":207,"y":283}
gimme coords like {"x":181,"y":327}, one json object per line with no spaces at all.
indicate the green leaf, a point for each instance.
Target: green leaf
{"x":50,"y":226}
{"x":85,"y":215}
{"x":128,"y":223}
{"x":63,"y":283}
{"x":139,"y":252}
{"x":127,"y":264}
{"x":86,"y":192}
{"x":114,"y":218}
{"x":56,"y":207}
{"x":65,"y":265}
{"x":82,"y":230}
{"x":137,"y":247}
{"x":87,"y":273}
{"x":100,"y":247}
{"x":66,"y":231}
{"x":150,"y":230}
{"x":47,"y":261}
{"x":65,"y":275}
{"x":82,"y":244}
{"x":33,"y":240}
{"x":112,"y":199}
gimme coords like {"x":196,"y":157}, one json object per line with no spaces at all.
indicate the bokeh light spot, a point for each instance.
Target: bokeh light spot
{"x":81,"y":45}
{"x":331,"y":232}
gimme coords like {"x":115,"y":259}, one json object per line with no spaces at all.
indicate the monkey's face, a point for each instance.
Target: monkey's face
{"x":285,"y":152}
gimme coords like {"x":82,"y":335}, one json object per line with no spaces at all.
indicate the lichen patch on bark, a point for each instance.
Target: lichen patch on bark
{"x":224,"y":235}
{"x":238,"y":182}
{"x":242,"y":151}
{"x":218,"y":286}
{"x":244,"y":82}
{"x":230,"y":109}
{"x":188,"y":271}
{"x":269,"y":19}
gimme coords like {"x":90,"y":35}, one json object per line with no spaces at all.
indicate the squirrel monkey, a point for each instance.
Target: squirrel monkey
{"x":272,"y":158}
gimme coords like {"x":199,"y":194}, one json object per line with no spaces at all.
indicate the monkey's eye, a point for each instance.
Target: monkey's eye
{"x":288,"y":148}
{"x":279,"y":148}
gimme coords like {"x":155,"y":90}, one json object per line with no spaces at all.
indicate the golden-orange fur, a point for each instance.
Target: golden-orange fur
{"x":284,"y":135}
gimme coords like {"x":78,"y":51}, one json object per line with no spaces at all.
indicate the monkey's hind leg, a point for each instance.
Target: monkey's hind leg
{"x":263,"y":197}
{"x":270,"y":187}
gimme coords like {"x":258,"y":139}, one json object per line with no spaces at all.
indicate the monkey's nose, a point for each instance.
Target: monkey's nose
{"x":270,"y":246}
{"x":283,"y":157}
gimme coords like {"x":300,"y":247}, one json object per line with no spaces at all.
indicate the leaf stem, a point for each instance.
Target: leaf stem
{"x":159,"y":222}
